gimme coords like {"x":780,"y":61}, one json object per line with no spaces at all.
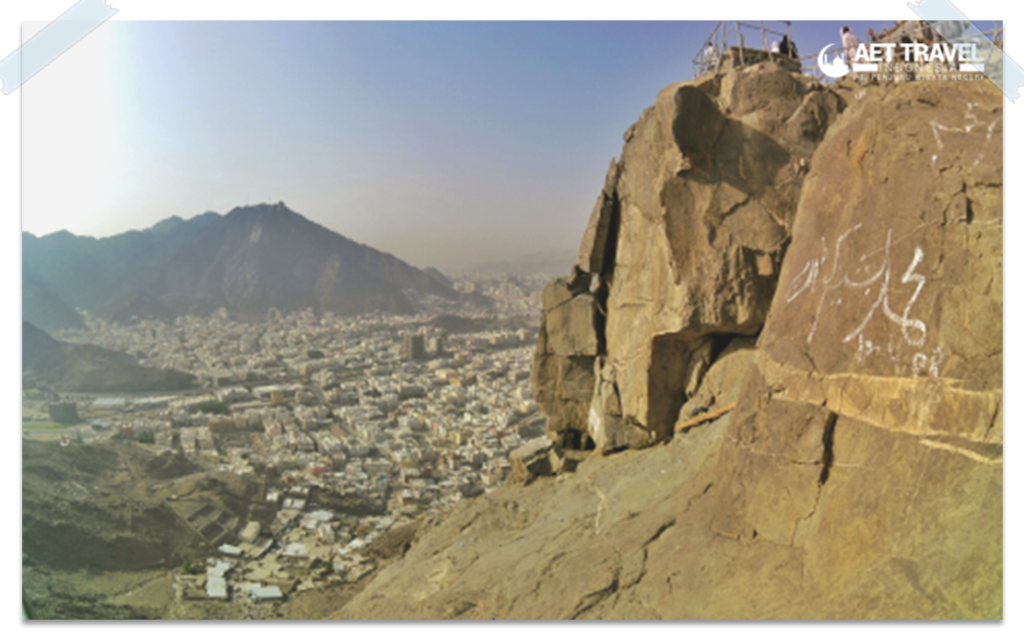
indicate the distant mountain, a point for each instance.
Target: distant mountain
{"x":88,"y":368}
{"x":438,"y":276}
{"x":247,"y":261}
{"x":176,"y":227}
{"x":44,"y":308}
{"x":40,"y":353}
{"x":266,"y":256}
{"x":86,"y":272}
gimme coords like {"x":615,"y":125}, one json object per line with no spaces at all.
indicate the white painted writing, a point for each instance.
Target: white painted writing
{"x":810,"y":278}
{"x":971,"y":122}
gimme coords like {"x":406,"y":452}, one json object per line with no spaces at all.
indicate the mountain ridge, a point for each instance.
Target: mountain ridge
{"x":248,"y":260}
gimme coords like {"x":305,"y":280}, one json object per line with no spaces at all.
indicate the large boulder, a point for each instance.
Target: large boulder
{"x":535,"y":458}
{"x":869,"y":431}
{"x":685,"y":243}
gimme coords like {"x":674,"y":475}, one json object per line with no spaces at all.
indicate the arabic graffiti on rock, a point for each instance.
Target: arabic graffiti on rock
{"x":839,"y":282}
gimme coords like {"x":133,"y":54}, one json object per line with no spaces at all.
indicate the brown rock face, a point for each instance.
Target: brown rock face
{"x":531,"y":460}
{"x":876,"y":397}
{"x":685,"y":240}
{"x":563,"y":365}
{"x":597,"y":249}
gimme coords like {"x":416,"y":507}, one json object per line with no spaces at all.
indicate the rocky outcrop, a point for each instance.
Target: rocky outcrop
{"x":536,"y":458}
{"x":567,"y":347}
{"x":682,"y":251}
{"x":859,"y":474}
{"x":869,"y":431}
{"x":597,"y":248}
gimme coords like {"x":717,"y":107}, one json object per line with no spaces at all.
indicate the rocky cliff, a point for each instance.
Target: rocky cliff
{"x":682,"y":252}
{"x":797,"y":290}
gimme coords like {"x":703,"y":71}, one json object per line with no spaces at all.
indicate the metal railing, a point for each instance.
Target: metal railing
{"x":709,"y":57}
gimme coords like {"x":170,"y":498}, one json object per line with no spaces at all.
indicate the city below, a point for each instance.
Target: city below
{"x":351,"y":426}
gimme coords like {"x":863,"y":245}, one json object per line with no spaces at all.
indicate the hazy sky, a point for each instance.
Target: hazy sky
{"x":447,"y":144}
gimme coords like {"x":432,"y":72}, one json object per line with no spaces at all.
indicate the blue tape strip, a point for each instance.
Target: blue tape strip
{"x":956,"y":28}
{"x":56,"y":38}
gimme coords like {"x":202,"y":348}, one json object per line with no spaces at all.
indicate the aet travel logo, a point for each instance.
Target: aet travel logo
{"x":960,"y":57}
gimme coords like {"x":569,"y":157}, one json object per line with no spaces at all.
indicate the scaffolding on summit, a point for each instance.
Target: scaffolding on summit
{"x":729,"y":44}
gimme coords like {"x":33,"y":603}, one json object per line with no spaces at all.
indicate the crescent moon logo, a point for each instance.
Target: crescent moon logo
{"x":837,"y":68}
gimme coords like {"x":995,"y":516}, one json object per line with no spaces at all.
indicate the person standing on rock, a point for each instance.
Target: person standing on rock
{"x":850,"y":44}
{"x":788,"y":48}
{"x":711,"y":57}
